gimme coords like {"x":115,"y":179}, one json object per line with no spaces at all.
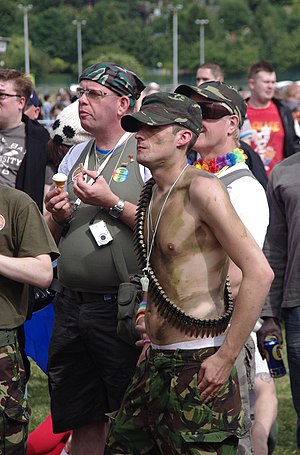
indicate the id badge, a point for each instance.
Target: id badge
{"x":100,"y":233}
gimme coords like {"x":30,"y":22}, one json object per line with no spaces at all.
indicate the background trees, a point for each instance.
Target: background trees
{"x":139,"y":33}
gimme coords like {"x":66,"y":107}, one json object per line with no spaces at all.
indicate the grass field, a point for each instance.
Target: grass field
{"x":286,"y":445}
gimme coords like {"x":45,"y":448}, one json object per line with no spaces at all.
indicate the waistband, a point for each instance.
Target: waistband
{"x":177,"y":356}
{"x":82,"y":296}
{"x":7,"y":337}
{"x":199,"y":343}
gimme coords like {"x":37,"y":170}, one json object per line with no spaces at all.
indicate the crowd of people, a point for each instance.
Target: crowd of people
{"x":194,"y":192}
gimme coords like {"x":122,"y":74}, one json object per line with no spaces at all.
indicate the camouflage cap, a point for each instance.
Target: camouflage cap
{"x":219,"y":92}
{"x":116,"y":78}
{"x":165,"y":109}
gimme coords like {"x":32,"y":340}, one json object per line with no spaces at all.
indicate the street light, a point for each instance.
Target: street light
{"x":25,"y":9}
{"x":175,"y":10}
{"x":3,"y":46}
{"x":202,"y":23}
{"x":78,"y":24}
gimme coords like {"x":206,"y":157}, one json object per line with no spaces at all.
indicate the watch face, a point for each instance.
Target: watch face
{"x":117,"y":209}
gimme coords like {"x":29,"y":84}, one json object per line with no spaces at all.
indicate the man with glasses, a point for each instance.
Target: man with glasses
{"x":210,"y":72}
{"x":23,"y":152}
{"x":89,"y":366}
{"x":23,"y":149}
{"x":223,"y":112}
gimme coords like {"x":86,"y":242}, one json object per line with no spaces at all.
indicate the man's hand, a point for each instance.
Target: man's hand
{"x":57,"y":202}
{"x":213,"y":374}
{"x":270,"y":326}
{"x":99,"y":193}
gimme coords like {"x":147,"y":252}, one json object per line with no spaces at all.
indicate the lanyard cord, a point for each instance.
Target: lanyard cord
{"x":150,"y":245}
{"x":91,"y":181}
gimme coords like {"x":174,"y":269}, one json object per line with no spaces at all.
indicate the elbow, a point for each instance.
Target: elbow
{"x":48,"y":278}
{"x":271,"y":276}
{"x":267,"y":277}
{"x":45,"y":277}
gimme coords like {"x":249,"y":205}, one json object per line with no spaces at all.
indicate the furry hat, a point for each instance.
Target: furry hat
{"x":67,"y":128}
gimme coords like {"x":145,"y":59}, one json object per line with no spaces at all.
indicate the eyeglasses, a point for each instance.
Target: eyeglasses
{"x":213,"y":111}
{"x":3,"y":96}
{"x":93,"y":95}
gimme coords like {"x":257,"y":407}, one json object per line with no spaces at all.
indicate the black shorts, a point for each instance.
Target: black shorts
{"x":89,"y":366}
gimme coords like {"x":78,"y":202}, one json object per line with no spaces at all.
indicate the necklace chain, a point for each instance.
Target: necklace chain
{"x":151,"y":244}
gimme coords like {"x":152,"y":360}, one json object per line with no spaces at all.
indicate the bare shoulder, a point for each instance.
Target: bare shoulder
{"x":205,"y":186}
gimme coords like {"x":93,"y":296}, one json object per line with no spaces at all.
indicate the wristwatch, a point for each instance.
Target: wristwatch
{"x":116,"y":210}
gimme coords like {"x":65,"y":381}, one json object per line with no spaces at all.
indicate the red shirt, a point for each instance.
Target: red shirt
{"x":268,"y":134}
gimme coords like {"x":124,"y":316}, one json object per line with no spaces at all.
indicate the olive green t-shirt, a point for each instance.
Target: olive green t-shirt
{"x":83,"y":265}
{"x":23,"y":233}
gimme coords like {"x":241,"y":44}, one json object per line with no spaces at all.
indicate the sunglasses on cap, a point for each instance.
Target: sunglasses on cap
{"x":213,"y":111}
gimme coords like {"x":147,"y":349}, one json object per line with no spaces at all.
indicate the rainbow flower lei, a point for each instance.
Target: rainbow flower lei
{"x":217,"y":164}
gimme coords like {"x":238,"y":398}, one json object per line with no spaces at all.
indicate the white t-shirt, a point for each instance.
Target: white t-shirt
{"x":249,"y":200}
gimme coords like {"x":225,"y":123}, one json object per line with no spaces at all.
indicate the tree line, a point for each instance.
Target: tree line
{"x":139,"y":34}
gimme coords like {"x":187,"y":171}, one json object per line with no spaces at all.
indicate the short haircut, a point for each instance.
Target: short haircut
{"x":22,"y":82}
{"x":214,"y":68}
{"x":190,"y":145}
{"x":260,"y":66}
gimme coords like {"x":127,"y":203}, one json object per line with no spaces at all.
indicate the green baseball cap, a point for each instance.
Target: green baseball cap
{"x":115,"y":77}
{"x":220,"y":93}
{"x":165,"y":109}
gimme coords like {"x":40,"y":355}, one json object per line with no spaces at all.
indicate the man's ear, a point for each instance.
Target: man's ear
{"x":124,"y":105}
{"x":183,"y":137}
{"x":22,"y":102}
{"x":233,"y":123}
{"x":251,"y":83}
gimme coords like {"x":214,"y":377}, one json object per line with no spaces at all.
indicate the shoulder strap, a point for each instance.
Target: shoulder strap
{"x":119,"y":261}
{"x":235,"y":175}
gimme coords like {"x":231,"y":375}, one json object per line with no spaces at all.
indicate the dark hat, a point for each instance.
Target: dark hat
{"x":33,"y":100}
{"x":165,"y":109}
{"x":221,"y":93}
{"x":116,"y":78}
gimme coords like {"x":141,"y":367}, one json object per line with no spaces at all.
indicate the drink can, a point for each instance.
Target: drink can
{"x":274,"y":357}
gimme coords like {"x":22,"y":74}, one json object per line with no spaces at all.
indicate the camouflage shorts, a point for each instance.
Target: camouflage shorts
{"x":163,"y":412}
{"x":14,"y":411}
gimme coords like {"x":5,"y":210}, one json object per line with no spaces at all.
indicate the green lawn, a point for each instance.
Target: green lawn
{"x":286,"y":445}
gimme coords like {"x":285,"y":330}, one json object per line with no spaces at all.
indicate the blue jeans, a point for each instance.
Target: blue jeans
{"x":291,"y":317}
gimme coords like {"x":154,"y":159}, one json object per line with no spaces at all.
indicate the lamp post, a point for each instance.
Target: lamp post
{"x":175,"y":9}
{"x":202,"y":23}
{"x":78,"y":24}
{"x":3,"y":46}
{"x":25,"y":9}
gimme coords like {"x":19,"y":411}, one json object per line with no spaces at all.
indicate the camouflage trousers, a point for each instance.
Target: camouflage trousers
{"x":14,"y":411}
{"x":163,"y":412}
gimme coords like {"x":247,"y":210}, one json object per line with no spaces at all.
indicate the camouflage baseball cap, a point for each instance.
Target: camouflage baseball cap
{"x":116,"y":78}
{"x":219,"y":92}
{"x":165,"y":109}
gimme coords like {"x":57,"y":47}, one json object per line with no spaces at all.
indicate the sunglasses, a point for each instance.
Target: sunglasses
{"x":213,"y":111}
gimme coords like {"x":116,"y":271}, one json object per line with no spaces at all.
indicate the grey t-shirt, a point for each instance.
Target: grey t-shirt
{"x":12,"y":151}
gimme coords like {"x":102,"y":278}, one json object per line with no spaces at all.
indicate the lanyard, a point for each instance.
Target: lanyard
{"x":102,"y":166}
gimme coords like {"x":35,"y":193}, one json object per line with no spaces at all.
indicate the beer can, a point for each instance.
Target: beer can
{"x":274,"y":357}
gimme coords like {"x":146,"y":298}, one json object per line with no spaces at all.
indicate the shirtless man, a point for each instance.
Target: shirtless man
{"x":184,"y":398}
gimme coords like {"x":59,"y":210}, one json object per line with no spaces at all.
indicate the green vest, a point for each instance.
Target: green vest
{"x":83,"y":265}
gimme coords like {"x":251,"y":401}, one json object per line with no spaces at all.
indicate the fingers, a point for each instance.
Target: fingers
{"x":210,"y":394}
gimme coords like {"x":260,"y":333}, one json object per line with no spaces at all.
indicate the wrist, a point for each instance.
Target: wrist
{"x":117,"y":209}
{"x":56,"y":221}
